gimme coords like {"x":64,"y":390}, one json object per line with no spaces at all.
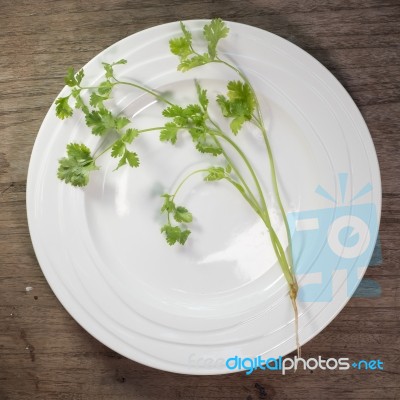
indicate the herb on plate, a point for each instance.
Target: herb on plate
{"x":239,"y":105}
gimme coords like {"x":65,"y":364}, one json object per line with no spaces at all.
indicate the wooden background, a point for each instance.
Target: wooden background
{"x":44,"y":354}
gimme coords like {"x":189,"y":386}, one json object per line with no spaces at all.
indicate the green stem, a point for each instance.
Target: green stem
{"x":277,"y":194}
{"x":249,"y":166}
{"x":218,"y":132}
{"x":254,"y":206}
{"x":185,"y":179}
{"x":135,"y":85}
{"x":260,"y":125}
{"x":157,"y":128}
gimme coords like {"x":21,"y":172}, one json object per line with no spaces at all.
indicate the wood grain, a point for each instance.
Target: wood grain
{"x":44,"y":353}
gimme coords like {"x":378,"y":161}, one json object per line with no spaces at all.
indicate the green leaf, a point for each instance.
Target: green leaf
{"x":213,"y":33}
{"x":72,"y":79}
{"x":96,"y":100}
{"x":228,"y":168}
{"x":69,"y":79}
{"x":168,"y":204}
{"x":215,"y":174}
{"x":202,"y":96}
{"x":63,"y":109}
{"x":126,"y":157}
{"x":121,"y":122}
{"x":76,"y":167}
{"x":108,"y":68}
{"x":76,"y":93}
{"x":224,"y":104}
{"x":183,"y":237}
{"x":182,"y":215}
{"x":180,"y":47}
{"x":129,"y":135}
{"x":174,"y":234}
{"x":132,"y":158}
{"x":118,"y":149}
{"x":169,"y":133}
{"x":79,"y":76}
{"x":193,"y":62}
{"x":239,"y":104}
{"x":186,"y":33}
{"x":173,"y":111}
{"x":129,"y":158}
{"x":105,"y":88}
{"x":237,"y":123}
{"x":101,"y":121}
{"x":209,"y":148}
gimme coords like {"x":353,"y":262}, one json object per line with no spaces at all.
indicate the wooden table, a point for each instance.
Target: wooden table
{"x":44,"y":353}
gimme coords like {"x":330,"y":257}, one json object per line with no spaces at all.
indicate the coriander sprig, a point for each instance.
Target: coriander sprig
{"x":239,"y":106}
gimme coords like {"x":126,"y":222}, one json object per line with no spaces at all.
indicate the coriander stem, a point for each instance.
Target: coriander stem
{"x":276,"y":190}
{"x":254,"y":206}
{"x":278,"y":249}
{"x":135,"y":85}
{"x":157,"y":128}
{"x":185,"y":179}
{"x":235,"y":169}
{"x":260,"y":125}
{"x":247,"y":162}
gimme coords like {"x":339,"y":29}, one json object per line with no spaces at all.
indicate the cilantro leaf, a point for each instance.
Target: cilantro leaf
{"x":174,"y":234}
{"x":119,"y":149}
{"x":129,"y":135}
{"x":186,"y":33}
{"x":63,"y":109}
{"x":79,"y":103}
{"x":72,"y":79}
{"x":129,"y":158}
{"x":202,"y":96}
{"x":121,"y":122}
{"x":169,"y":133}
{"x":213,"y":33}
{"x":97,"y":100}
{"x":105,"y":88}
{"x":173,"y":111}
{"x":239,"y":104}
{"x":209,"y":148}
{"x":101,"y":121}
{"x":193,"y":62}
{"x":168,"y":204}
{"x":108,"y":68}
{"x":182,"y":215}
{"x":237,"y":123}
{"x":76,"y":167}
{"x":215,"y":174}
{"x":181,"y":47}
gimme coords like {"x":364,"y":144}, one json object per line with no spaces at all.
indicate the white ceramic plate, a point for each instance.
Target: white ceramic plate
{"x":187,"y":309}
